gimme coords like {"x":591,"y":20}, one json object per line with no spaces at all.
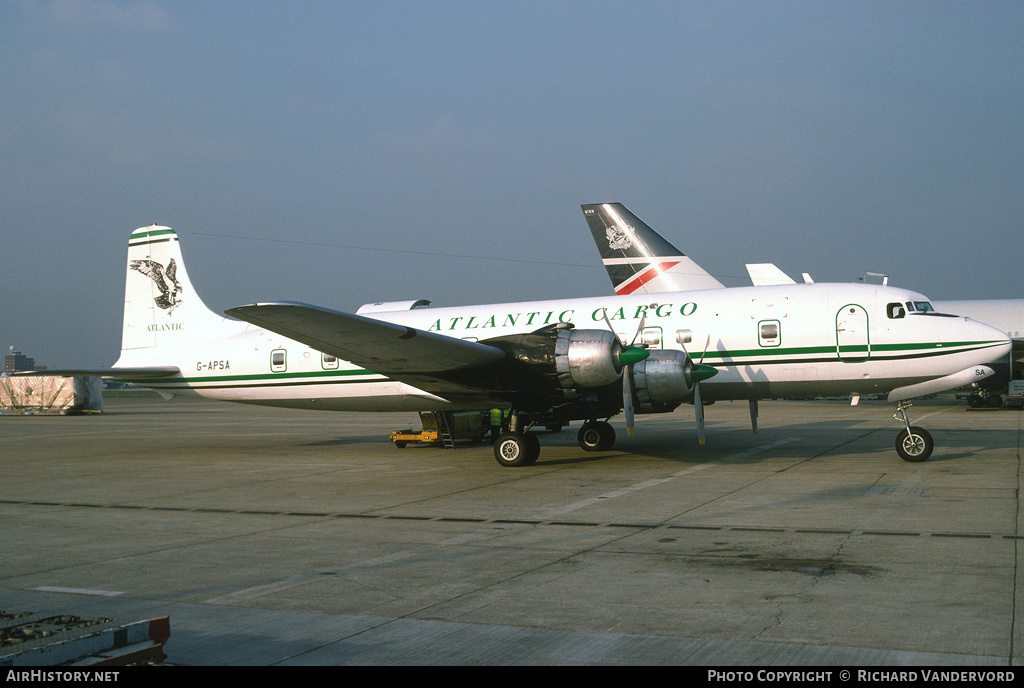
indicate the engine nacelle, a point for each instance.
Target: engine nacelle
{"x":587,"y":358}
{"x":664,"y":377}
{"x":569,"y":360}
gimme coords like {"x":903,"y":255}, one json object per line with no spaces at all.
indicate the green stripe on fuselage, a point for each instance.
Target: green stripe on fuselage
{"x":788,"y":356}
{"x":883,"y":351}
{"x":312,"y":377}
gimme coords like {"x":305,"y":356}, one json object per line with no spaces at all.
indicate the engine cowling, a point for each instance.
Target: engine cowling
{"x":663,"y":378}
{"x":587,"y":358}
{"x":569,"y":360}
{"x":666,"y":378}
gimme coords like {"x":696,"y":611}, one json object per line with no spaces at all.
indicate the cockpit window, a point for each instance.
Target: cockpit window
{"x":895,"y":311}
{"x":920,"y":307}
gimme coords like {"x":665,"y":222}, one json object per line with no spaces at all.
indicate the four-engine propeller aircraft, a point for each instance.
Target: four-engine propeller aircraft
{"x":579,"y":359}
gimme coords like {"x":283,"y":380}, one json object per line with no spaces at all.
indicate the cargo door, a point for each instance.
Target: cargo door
{"x":852,"y":342}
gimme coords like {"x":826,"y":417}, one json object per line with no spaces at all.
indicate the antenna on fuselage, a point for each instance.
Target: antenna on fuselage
{"x":864,"y":279}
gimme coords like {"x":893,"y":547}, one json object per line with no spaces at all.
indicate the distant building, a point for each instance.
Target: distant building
{"x":16,"y":361}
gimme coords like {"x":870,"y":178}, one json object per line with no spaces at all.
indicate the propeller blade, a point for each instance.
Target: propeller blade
{"x":698,"y":371}
{"x":608,"y":322}
{"x":639,"y":328}
{"x":627,"y":398}
{"x":628,"y":355}
{"x":699,"y":408}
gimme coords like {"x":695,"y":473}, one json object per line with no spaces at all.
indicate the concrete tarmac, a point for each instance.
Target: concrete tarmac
{"x":277,"y":537}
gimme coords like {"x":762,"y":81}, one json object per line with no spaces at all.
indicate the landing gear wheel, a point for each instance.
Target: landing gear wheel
{"x":915,"y":445}
{"x":533,"y":444}
{"x":596,"y":436}
{"x":975,"y":401}
{"x":995,"y":401}
{"x":515,"y":449}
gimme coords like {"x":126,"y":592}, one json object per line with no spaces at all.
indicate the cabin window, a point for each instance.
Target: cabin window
{"x":768,"y":333}
{"x":278,"y":360}
{"x":329,"y":362}
{"x":651,"y":336}
{"x":895,"y":311}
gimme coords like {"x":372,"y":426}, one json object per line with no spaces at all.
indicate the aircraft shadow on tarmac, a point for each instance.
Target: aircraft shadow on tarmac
{"x":723,"y":444}
{"x":735,"y":444}
{"x":350,"y":440}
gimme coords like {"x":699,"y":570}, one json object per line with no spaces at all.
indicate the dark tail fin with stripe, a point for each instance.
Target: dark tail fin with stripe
{"x":638,"y":259}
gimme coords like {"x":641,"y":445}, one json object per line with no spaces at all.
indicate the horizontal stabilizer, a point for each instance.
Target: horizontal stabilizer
{"x":767,"y":274}
{"x":376,"y":345}
{"x":147,"y":373}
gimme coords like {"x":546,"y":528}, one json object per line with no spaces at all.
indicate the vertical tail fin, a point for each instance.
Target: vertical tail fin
{"x":638,"y":259}
{"x":161,"y":309}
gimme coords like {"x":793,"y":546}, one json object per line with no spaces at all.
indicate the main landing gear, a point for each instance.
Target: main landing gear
{"x":514,"y":448}
{"x":912,"y":443}
{"x":517,"y":446}
{"x":596,"y":435}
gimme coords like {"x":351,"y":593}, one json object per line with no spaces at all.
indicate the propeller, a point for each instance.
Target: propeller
{"x":698,"y":372}
{"x":629,"y":354}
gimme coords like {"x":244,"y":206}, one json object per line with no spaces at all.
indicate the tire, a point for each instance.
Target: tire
{"x":914,"y":446}
{"x":974,"y":401}
{"x":400,"y":444}
{"x":995,"y":401}
{"x":533,"y":444}
{"x":596,"y":436}
{"x":514,"y":449}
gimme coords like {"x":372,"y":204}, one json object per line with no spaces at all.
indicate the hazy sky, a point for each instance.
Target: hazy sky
{"x":339,"y":153}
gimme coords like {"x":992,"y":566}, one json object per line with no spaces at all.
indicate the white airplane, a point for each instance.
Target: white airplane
{"x":542,"y":359}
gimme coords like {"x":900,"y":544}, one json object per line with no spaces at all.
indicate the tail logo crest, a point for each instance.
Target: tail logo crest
{"x":618,"y":239}
{"x":165,"y":280}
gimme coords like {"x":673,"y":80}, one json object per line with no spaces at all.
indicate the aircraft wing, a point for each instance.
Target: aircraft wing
{"x":428,"y":361}
{"x":383,"y":347}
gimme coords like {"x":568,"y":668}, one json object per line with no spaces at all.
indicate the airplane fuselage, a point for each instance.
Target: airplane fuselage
{"x":766,"y":342}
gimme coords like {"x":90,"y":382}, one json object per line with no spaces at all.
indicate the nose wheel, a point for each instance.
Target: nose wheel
{"x":912,"y":443}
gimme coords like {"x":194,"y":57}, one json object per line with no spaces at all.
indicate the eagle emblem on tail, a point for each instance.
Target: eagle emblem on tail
{"x":165,"y":280}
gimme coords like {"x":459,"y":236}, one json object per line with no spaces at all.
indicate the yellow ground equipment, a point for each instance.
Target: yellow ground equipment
{"x":444,"y":427}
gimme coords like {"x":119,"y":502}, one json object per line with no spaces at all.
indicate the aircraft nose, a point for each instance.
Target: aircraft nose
{"x":1000,"y":341}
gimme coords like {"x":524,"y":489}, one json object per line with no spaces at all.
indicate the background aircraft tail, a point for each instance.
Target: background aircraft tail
{"x":161,"y":309}
{"x":638,"y":259}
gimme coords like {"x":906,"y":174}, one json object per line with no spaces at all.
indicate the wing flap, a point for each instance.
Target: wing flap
{"x":383,"y":347}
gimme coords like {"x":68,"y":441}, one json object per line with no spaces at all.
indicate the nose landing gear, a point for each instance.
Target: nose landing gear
{"x":912,"y":443}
